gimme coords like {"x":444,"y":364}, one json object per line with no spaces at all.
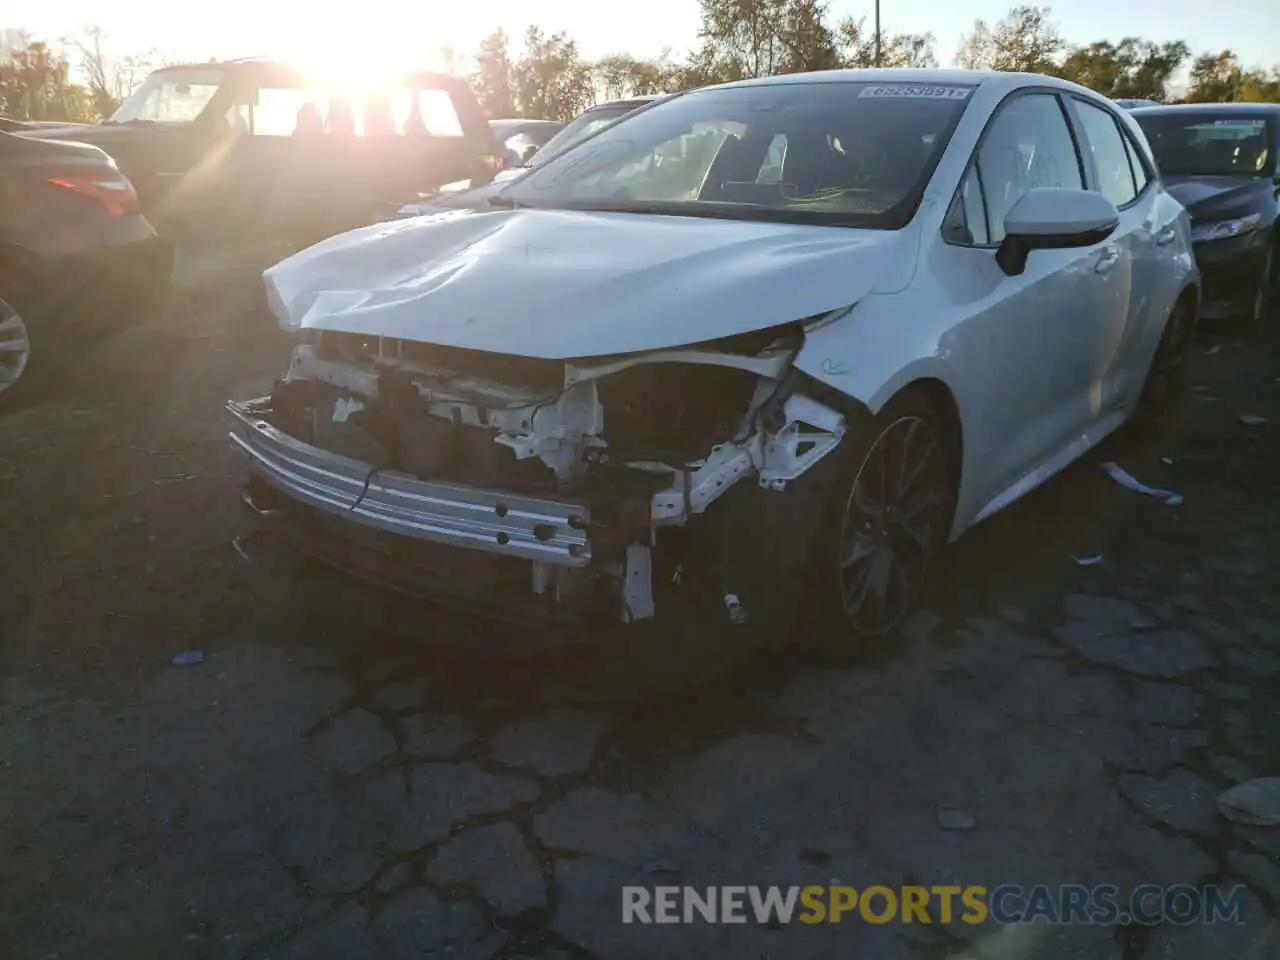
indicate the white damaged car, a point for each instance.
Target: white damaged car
{"x":759,"y":350}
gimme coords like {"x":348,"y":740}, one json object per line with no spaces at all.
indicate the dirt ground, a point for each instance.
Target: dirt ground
{"x":344,"y":776}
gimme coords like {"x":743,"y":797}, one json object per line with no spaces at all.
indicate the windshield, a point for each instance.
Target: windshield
{"x":854,"y":154}
{"x":1211,"y":143}
{"x":170,"y":96}
{"x":581,"y":128}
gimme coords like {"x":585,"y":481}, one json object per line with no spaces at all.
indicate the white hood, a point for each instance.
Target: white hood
{"x":562,"y":284}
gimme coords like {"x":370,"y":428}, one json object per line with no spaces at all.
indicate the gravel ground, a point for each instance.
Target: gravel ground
{"x":346,"y":777}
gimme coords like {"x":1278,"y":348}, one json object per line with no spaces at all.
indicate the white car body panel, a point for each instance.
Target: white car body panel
{"x":1041,"y":366}
{"x":558,"y":284}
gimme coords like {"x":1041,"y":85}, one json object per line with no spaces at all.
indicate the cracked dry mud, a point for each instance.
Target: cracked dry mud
{"x":348,"y":777}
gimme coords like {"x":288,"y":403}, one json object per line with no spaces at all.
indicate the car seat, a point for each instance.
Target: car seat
{"x":309,"y":121}
{"x":342,"y":120}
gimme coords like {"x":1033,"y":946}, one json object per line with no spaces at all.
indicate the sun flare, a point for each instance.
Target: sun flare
{"x":348,"y":61}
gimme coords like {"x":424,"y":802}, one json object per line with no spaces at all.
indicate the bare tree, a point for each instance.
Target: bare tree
{"x":1024,"y":40}
{"x":110,"y":78}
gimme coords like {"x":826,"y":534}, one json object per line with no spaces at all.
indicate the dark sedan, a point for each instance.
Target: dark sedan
{"x":75,"y":252}
{"x":1219,"y":161}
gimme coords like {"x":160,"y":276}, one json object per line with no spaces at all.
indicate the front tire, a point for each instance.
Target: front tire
{"x":1262,"y":296}
{"x":1164,"y":393}
{"x":15,"y":351}
{"x":886,"y":519}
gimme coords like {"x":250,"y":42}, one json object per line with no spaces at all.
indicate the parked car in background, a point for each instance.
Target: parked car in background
{"x":648,"y":387}
{"x":521,"y":139}
{"x":259,"y":147}
{"x":1130,"y":103}
{"x":1220,"y":161}
{"x":584,"y":126}
{"x":9,"y":125}
{"x":75,"y":253}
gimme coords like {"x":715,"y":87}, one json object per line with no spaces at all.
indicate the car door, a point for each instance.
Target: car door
{"x":1027,"y":343}
{"x":262,"y":173}
{"x":1131,"y":278}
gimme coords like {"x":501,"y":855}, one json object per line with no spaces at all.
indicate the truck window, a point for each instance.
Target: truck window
{"x":425,"y":111}
{"x":280,"y":111}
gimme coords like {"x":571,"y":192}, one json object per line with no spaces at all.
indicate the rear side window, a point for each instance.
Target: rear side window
{"x":289,"y":111}
{"x":426,"y":111}
{"x":1110,"y":153}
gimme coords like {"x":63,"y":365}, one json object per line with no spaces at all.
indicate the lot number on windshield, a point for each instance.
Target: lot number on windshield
{"x":916,"y":91}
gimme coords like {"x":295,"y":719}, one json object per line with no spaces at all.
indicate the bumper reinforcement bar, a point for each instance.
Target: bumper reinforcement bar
{"x":552,"y":531}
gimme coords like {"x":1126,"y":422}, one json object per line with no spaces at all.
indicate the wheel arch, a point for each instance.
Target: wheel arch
{"x":927,"y":380}
{"x":1189,"y":295}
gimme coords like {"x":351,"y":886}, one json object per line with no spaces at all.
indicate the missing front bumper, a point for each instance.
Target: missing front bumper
{"x":551,"y":531}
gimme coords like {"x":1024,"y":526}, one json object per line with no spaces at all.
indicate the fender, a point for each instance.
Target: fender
{"x":832,"y":348}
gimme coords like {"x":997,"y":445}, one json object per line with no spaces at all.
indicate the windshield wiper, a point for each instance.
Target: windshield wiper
{"x":507,"y":203}
{"x":678,"y":208}
{"x":712,"y":210}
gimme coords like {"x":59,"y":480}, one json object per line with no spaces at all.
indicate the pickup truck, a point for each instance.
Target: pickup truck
{"x":259,"y":147}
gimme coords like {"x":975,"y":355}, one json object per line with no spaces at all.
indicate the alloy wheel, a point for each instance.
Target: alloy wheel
{"x":892,"y":525}
{"x":15,"y":346}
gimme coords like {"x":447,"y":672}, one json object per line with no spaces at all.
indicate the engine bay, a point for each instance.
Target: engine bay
{"x":649,"y":443}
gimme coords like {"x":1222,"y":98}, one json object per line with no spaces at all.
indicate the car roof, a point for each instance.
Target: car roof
{"x":514,"y":123}
{"x":996,"y":79}
{"x":272,"y":64}
{"x":1263,"y":108}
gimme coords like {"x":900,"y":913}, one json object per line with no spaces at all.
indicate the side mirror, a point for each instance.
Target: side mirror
{"x":1054,"y":218}
{"x":529,"y":151}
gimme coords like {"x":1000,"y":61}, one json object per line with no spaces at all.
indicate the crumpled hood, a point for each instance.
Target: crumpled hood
{"x":561,"y":284}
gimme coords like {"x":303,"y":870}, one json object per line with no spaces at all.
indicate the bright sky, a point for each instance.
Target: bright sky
{"x":400,"y":30}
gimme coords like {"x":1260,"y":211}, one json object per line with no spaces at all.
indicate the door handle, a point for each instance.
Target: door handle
{"x":1166,"y":236}
{"x":1110,"y":257}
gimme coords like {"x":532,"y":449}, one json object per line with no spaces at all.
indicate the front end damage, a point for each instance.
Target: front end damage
{"x":619,"y":489}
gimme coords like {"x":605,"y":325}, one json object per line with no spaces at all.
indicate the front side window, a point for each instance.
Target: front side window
{"x":1028,"y":145}
{"x":283,"y":111}
{"x":170,"y":96}
{"x":843,"y":154}
{"x":1211,"y":142}
{"x":1110,"y":159}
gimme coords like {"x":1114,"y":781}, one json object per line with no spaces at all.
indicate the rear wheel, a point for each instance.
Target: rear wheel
{"x":15,"y":349}
{"x":886,"y":521}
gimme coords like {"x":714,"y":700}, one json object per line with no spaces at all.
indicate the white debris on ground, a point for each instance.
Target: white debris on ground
{"x":1254,"y":802}
{"x":1129,"y":482}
